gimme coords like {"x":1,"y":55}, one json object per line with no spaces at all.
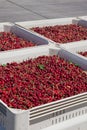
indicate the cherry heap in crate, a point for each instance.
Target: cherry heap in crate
{"x":63,"y":33}
{"x":9,"y":41}
{"x":39,"y":81}
{"x":83,"y":53}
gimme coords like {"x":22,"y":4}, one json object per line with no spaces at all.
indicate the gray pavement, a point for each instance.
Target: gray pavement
{"x":27,"y":10}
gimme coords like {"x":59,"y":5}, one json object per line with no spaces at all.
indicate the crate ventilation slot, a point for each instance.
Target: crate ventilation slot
{"x":57,"y":106}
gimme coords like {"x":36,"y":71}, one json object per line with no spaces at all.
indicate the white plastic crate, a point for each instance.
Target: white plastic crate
{"x":25,"y":34}
{"x":78,"y":47}
{"x":46,"y":115}
{"x":51,"y":22}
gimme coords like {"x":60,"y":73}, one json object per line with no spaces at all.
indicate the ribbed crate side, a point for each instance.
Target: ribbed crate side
{"x":21,"y":121}
{"x":58,"y":117}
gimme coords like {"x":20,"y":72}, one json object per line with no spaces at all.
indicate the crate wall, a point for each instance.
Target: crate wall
{"x":51,"y":22}
{"x":22,"y":33}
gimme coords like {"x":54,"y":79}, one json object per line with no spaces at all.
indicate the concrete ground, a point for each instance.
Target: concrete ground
{"x":26,"y":10}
